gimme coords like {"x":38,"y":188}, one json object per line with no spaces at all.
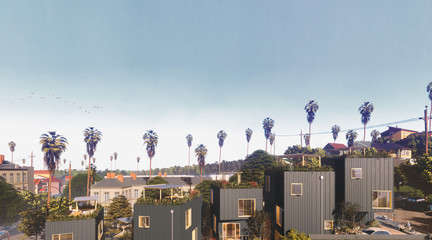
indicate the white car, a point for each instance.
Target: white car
{"x":376,"y":231}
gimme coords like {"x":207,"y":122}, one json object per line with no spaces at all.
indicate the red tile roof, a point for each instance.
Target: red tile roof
{"x":337,"y":145}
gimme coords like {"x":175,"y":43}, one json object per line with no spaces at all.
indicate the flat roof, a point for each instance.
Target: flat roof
{"x":162,"y":186}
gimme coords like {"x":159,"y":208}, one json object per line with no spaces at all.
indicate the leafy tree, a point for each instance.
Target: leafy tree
{"x":351,"y":136}
{"x":189,"y":140}
{"x":311,"y":108}
{"x":335,"y":130}
{"x":151,"y":140}
{"x":92,"y":137}
{"x":419,"y":175}
{"x":10,"y":203}
{"x":368,"y":153}
{"x":248,"y":138}
{"x":271,"y":140}
{"x":375,"y":135}
{"x":365,"y":110}
{"x":154,"y":193}
{"x":399,"y":177}
{"x":347,"y":215}
{"x":53,"y":145}
{"x":119,"y":208}
{"x":255,"y":165}
{"x":221,"y":136}
{"x":188,"y":181}
{"x":12,"y":145}
{"x":79,"y":183}
{"x":204,"y":189}
{"x":268,"y":124}
{"x":307,"y":139}
{"x":34,"y":216}
{"x":259,"y":225}
{"x":293,"y":234}
{"x":201,"y":153}
{"x":417,"y":142}
{"x":311,"y":162}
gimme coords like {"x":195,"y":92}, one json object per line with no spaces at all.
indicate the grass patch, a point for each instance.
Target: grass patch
{"x":408,"y":191}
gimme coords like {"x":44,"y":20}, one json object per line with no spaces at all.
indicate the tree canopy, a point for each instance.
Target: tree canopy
{"x":79,"y":184}
{"x":119,"y":208}
{"x":10,"y":203}
{"x":255,"y":165}
{"x":419,"y":175}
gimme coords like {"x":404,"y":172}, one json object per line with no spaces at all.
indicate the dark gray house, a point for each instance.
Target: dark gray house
{"x":366,"y":181}
{"x":76,"y":228}
{"x":231,"y":207}
{"x":177,"y":221}
{"x":301,"y":200}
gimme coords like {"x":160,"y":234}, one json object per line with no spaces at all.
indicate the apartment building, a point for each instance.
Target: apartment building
{"x":21,"y":177}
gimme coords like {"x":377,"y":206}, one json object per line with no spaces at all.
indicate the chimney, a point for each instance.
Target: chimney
{"x":120,"y":178}
{"x":165,"y":174}
{"x":133,"y":176}
{"x":160,"y":174}
{"x":1,"y":159}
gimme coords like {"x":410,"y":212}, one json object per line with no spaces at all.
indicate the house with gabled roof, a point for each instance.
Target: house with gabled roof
{"x":334,"y":148}
{"x":397,"y":133}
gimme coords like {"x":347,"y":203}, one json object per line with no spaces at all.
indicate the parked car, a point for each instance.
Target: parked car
{"x":4,"y":234}
{"x":376,"y":231}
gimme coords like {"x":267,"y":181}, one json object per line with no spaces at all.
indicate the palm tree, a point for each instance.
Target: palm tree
{"x":138,"y":159}
{"x":111,"y":158}
{"x":221,"y":136}
{"x":94,"y":160}
{"x":92,"y":137}
{"x":311,"y":108}
{"x":335,"y":130}
{"x":115,"y":154}
{"x":351,"y":136}
{"x":375,"y":134}
{"x":189,"y":139}
{"x":151,"y":139}
{"x":53,"y":145}
{"x":248,"y":138}
{"x":429,"y":90}
{"x":365,"y":110}
{"x":268,"y":124}
{"x":12,"y":145}
{"x":201,"y":153}
{"x":271,"y":138}
{"x":23,"y":160}
{"x":307,"y":139}
{"x":64,"y":163}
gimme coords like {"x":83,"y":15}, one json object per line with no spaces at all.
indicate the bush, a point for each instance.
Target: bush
{"x":293,"y":234}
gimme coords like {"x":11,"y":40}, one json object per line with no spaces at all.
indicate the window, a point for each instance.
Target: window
{"x":188,"y":218}
{"x":328,"y":224}
{"x":214,"y":223}
{"x":136,"y":193}
{"x":277,"y":235}
{"x":279,"y":216}
{"x":100,"y":229}
{"x":195,"y":234}
{"x":267,"y":183}
{"x":296,"y":188}
{"x":63,"y":236}
{"x":211,"y":195}
{"x":116,"y":194}
{"x":18,"y":178}
{"x":144,"y":221}
{"x":106,"y":196}
{"x":24,"y":177}
{"x":96,"y":194}
{"x":4,"y":176}
{"x":246,"y":207}
{"x":356,"y":173}
{"x":11,"y":178}
{"x":231,"y":230}
{"x":381,"y":199}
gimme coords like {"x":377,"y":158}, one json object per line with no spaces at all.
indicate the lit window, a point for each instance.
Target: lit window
{"x":296,"y":189}
{"x":214,"y":223}
{"x":279,"y":216}
{"x":106,"y":196}
{"x":188,"y":218}
{"x":246,"y":207}
{"x":195,"y":234}
{"x":231,"y":230}
{"x":267,"y":183}
{"x":328,"y":224}
{"x":144,"y":221}
{"x":136,"y":193}
{"x":381,"y":199}
{"x":211,"y":195}
{"x":63,"y":236}
{"x":100,"y":229}
{"x":356,"y":173}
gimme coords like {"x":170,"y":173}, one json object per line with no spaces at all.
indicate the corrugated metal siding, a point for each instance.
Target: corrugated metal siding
{"x":304,"y":212}
{"x":81,"y":229}
{"x":228,"y":199}
{"x":377,"y":174}
{"x":160,"y":220}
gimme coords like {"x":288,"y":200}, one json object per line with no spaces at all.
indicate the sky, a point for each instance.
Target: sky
{"x":198,"y":67}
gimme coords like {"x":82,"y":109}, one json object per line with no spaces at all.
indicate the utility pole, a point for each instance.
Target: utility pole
{"x":301,"y":138}
{"x":31,"y":157}
{"x":426,"y":131}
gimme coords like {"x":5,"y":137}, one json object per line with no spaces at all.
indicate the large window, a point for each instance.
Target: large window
{"x":24,"y":177}
{"x":296,"y":189}
{"x":136,"y":193}
{"x":188,"y":218}
{"x":144,"y":221}
{"x":267,"y":183}
{"x":328,"y":224}
{"x":116,"y":194}
{"x":356,"y":173}
{"x":246,"y":207}
{"x":62,"y":236}
{"x":195,"y":234}
{"x":231,"y":231}
{"x":279,"y":216}
{"x":4,"y":176}
{"x":18,"y":178}
{"x":106,"y":196}
{"x":11,"y":178}
{"x":381,"y":199}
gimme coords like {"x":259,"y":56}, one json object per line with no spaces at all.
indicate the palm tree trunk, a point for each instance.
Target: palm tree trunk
{"x":12,"y":152}
{"x":88,"y":176}
{"x":49,"y":190}
{"x":189,"y":157}
{"x":310,"y":135}
{"x":247,"y":149}
{"x":150,"y":169}
{"x":266,"y":144}
{"x":430,"y":116}
{"x":220,"y":155}
{"x":364,"y":133}
{"x":201,"y":173}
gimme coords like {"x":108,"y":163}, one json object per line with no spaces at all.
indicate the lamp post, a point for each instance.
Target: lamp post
{"x":172,"y":224}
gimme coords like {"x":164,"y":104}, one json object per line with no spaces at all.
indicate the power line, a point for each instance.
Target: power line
{"x":361,"y":128}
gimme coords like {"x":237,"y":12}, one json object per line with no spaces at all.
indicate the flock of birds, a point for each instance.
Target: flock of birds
{"x":33,"y":96}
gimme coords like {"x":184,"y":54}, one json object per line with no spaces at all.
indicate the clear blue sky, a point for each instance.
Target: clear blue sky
{"x":180,"y":67}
